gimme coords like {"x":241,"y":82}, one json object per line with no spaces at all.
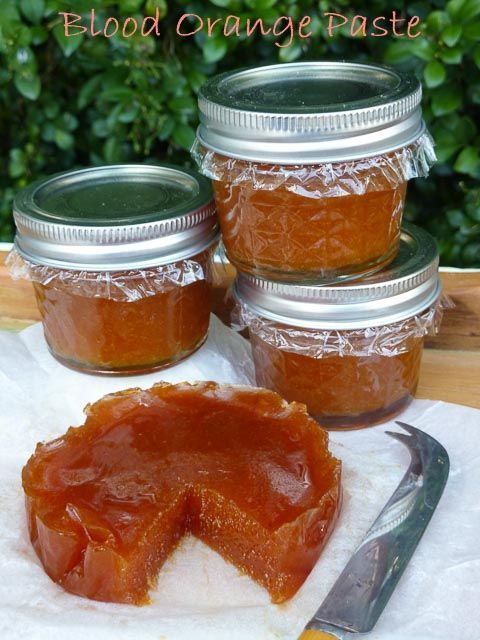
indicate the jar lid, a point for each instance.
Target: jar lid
{"x":308,"y":112}
{"x":115,"y":217}
{"x":402,"y":290}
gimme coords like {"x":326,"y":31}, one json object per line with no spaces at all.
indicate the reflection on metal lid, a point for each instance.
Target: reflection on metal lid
{"x":115,"y":217}
{"x":404,"y":289}
{"x":310,"y":112}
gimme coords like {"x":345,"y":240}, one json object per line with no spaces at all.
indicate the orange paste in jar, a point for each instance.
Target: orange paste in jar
{"x":120,"y":259}
{"x":310,"y":162}
{"x":352,"y":351}
{"x":237,"y":467}
{"x":289,"y":232}
{"x":347,"y":391}
{"x":104,"y":334}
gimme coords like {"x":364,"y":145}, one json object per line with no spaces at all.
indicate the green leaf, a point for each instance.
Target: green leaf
{"x":291,"y":53}
{"x":476,"y":55}
{"x":8,"y":12}
{"x":183,"y":104}
{"x":454,"y":7}
{"x":24,"y":60}
{"x":166,"y":128}
{"x":17,"y":164}
{"x":463,"y":128}
{"x":402,"y":50}
{"x":68,"y":121}
{"x":68,"y":44}
{"x":446,"y":99}
{"x":113,"y":116}
{"x":196,"y":79}
{"x":471,"y":9}
{"x":63,"y":139}
{"x":434,"y":74}
{"x":437,"y":21}
{"x":221,"y":3}
{"x":184,"y":136}
{"x":33,"y":10}
{"x":423,"y":49}
{"x":22,"y":35}
{"x":475,"y":214}
{"x":51,"y":109}
{"x":129,"y":113}
{"x":48,"y":132}
{"x":455,"y":218}
{"x":112,"y":150}
{"x":117,"y":93}
{"x":444,"y":152}
{"x":398,"y":52}
{"x":471,"y":254}
{"x":28,"y":85}
{"x":152,"y":6}
{"x":451,"y":133}
{"x":89,"y":91}
{"x":214,"y":49}
{"x":469,"y":228}
{"x":447,"y":142}
{"x":39,"y":34}
{"x":130,"y":6}
{"x":258,"y":5}
{"x":452,"y":56}
{"x":451,"y":34}
{"x":474,"y":93}
{"x":468,"y":161}
{"x":100,"y":128}
{"x":472,"y":31}
{"x":5,"y":76}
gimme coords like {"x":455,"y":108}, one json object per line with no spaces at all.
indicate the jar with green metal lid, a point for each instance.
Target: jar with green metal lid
{"x":310,"y":163}
{"x":119,"y":257}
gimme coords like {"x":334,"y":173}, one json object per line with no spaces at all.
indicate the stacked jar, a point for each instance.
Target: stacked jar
{"x":310,"y":164}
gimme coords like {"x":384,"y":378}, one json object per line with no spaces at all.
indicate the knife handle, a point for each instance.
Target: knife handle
{"x":312,"y":634}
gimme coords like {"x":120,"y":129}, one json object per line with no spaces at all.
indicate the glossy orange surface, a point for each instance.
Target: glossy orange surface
{"x":235,"y":466}
{"x":341,"y":392}
{"x":112,"y":334}
{"x":288,"y":232}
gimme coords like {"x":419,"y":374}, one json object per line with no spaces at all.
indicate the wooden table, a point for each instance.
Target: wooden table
{"x":451,"y":363}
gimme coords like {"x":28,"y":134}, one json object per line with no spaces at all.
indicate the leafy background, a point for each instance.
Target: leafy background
{"x":77,"y":101}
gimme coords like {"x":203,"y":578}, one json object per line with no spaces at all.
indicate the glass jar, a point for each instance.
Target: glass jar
{"x":119,"y":257}
{"x":310,"y":163}
{"x":223,"y":275}
{"x":350,"y":352}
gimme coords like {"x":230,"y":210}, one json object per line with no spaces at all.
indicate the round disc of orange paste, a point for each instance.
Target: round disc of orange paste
{"x":237,"y":467}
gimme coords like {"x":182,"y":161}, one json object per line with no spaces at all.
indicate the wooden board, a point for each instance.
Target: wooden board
{"x":450,"y":375}
{"x":18,"y":308}
{"x":451,"y":364}
{"x":461,"y":324}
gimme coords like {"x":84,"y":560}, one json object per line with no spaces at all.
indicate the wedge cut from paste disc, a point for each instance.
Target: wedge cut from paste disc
{"x":237,"y":467}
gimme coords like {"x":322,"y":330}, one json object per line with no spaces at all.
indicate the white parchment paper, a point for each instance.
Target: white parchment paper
{"x":199,"y":596}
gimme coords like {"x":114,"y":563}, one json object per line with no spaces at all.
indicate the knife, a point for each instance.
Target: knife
{"x":364,"y":587}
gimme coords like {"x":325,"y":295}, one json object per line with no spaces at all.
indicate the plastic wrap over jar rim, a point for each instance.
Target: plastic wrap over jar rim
{"x":406,"y":288}
{"x":309,"y":112}
{"x":115,"y":217}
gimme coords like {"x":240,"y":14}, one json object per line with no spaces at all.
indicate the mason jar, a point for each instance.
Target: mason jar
{"x":310,"y":163}
{"x":119,"y":257}
{"x":350,"y":352}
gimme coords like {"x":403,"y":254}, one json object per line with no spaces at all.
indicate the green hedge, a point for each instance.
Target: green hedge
{"x":83,"y":100}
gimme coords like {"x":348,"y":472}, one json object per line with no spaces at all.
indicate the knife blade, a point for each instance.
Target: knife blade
{"x":364,"y":587}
